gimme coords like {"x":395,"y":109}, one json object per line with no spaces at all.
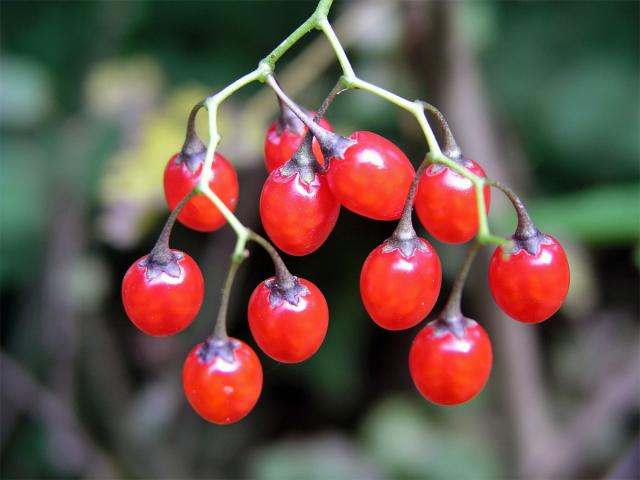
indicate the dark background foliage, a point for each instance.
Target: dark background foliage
{"x":93,"y":101}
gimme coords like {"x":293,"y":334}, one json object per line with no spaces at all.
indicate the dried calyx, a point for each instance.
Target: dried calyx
{"x":193,"y":150}
{"x":303,"y":162}
{"x":214,"y":347}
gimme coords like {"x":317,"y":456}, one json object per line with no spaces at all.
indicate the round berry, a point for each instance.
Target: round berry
{"x":288,"y":324}
{"x":282,"y":142}
{"x":372,"y":178}
{"x":449,"y":369}
{"x":446,"y":202}
{"x":180,"y":177}
{"x":530,"y":287}
{"x":399,"y":288}
{"x":163,"y":299}
{"x":222,"y":380}
{"x":297,"y":215}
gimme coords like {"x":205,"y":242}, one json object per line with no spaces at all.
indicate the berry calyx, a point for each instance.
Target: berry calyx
{"x":400,"y":282}
{"x":297,"y":209}
{"x":288,"y":322}
{"x":222,"y":380}
{"x":371,"y":177}
{"x":448,"y":365}
{"x":162,"y":294}
{"x":285,"y":135}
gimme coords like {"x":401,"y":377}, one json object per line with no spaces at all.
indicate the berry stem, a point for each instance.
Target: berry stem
{"x":326,"y":103}
{"x":451,"y":311}
{"x":161,"y":253}
{"x":284,"y":279}
{"x":405,"y":230}
{"x":220,"y":327}
{"x":450,"y":147}
{"x":192,"y":143}
{"x":323,"y":135}
{"x":526,"y":229}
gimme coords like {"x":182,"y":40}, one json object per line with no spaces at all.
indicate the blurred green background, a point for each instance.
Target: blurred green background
{"x":94,"y":98}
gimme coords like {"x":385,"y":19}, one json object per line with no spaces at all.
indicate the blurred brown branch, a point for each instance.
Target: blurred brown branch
{"x":65,"y":429}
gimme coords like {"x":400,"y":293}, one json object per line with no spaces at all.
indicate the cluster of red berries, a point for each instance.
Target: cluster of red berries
{"x":313,"y":172}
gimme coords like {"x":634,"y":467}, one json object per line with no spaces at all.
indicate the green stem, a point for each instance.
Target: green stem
{"x":241,"y":231}
{"x":341,"y":55}
{"x":220,"y":327}
{"x":451,"y":311}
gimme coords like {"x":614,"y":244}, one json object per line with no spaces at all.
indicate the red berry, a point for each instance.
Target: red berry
{"x":199,"y":213}
{"x":298,"y":216}
{"x":288,"y":325}
{"x":447,"y":369}
{"x":281,"y":144}
{"x":222,"y":380}
{"x":399,"y":290}
{"x":163,"y":299}
{"x":446,"y":202}
{"x":372,"y":178}
{"x":530,"y":287}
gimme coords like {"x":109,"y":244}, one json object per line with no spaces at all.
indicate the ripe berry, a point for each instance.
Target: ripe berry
{"x":222,"y":380}
{"x":531,"y":282}
{"x":450,"y":369}
{"x":400,"y":286}
{"x":446,"y":202}
{"x":288,"y":324}
{"x":297,"y":215}
{"x":372,"y":177}
{"x":283,"y":139}
{"x":183,"y":173}
{"x":162,"y":299}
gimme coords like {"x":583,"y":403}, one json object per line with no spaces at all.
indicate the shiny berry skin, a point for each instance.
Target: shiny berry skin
{"x":279,"y":147}
{"x":373,"y":177}
{"x":297,"y":216}
{"x":530,"y":288}
{"x":163,"y":302}
{"x":399,"y":290}
{"x":448,"y":370}
{"x":288,"y":330}
{"x":222,"y":383}
{"x":199,"y":213}
{"x":446,"y":202}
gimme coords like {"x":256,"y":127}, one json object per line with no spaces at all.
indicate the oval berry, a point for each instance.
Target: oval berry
{"x":297,"y":216}
{"x":199,"y":213}
{"x":399,"y":290}
{"x":222,"y":380}
{"x":527,"y":287}
{"x":373,"y":177}
{"x":163,"y":301}
{"x":446,"y":202}
{"x":288,"y":326}
{"x":448,"y":370}
{"x":281,"y":143}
